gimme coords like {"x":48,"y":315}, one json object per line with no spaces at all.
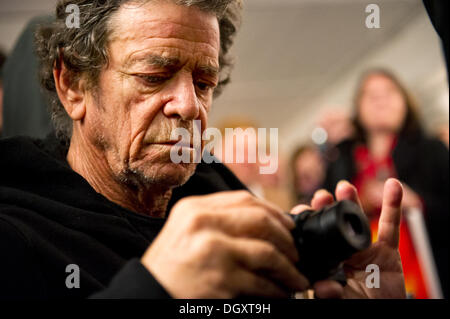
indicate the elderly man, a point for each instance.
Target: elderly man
{"x":91,"y":214}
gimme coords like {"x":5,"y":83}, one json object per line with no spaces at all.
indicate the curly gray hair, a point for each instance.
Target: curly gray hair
{"x":84,"y":50}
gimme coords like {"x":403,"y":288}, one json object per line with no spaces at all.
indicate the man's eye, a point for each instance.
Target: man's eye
{"x":152,"y":80}
{"x":204,"y":86}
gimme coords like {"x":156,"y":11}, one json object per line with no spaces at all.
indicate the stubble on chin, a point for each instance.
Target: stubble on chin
{"x":156,"y":175}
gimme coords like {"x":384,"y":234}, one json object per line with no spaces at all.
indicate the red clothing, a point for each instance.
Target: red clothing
{"x":381,"y":169}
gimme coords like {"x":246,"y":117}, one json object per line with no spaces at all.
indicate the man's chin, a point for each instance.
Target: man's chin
{"x":167,"y":175}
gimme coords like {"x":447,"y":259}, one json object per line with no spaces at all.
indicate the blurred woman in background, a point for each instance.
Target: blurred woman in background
{"x":308,"y":171}
{"x":389,"y":142}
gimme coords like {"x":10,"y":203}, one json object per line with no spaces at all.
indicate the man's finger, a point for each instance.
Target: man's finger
{"x":259,"y":286}
{"x":328,"y":289}
{"x":253,"y":222}
{"x":300,"y":209}
{"x":263,"y":258}
{"x":346,"y":191}
{"x":391,"y":212}
{"x":277,"y":213}
{"x":321,"y":198}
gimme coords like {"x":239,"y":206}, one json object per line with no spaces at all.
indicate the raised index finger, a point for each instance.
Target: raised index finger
{"x":391,"y":212}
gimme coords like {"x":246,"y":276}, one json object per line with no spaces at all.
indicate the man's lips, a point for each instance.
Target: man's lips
{"x":174,"y":143}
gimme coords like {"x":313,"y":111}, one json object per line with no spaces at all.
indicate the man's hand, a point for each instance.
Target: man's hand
{"x":225,"y":245}
{"x":384,"y":253}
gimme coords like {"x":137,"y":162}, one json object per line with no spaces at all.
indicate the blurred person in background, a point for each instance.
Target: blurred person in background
{"x":308,"y":171}
{"x":389,"y":142}
{"x":338,"y":125}
{"x":2,"y":61}
{"x":272,"y":187}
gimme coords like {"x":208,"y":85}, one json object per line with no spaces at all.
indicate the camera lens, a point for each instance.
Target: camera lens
{"x":327,"y":237}
{"x":352,"y":225}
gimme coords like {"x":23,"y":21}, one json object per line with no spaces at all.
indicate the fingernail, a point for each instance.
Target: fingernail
{"x":394,"y":180}
{"x":342,"y":182}
{"x":320,"y":192}
{"x":323,"y":192}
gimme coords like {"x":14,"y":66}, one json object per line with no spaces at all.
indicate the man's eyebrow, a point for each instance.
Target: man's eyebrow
{"x":208,"y":70}
{"x":168,"y":62}
{"x":156,"y":60}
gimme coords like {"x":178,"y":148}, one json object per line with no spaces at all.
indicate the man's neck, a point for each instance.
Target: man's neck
{"x":87,"y":160}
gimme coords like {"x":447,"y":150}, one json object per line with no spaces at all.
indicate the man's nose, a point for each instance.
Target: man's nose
{"x":183,"y":100}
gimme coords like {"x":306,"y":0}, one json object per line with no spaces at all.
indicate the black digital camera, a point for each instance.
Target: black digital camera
{"x":326,"y":238}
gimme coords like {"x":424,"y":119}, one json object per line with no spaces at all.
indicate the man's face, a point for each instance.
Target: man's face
{"x":163,"y":67}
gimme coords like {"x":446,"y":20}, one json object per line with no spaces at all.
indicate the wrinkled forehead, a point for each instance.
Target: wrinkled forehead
{"x":165,"y":26}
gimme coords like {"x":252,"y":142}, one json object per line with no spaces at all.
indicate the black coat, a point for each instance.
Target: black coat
{"x":50,"y":217}
{"x":422,"y":163}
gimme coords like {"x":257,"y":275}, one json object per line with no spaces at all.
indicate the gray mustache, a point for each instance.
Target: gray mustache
{"x":163,"y":135}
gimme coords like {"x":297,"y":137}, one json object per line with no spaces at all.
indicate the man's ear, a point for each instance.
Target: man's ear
{"x":71,"y":93}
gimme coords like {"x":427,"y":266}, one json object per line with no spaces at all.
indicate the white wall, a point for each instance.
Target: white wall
{"x":15,"y":14}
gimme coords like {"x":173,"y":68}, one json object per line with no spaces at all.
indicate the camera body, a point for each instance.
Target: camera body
{"x":327,"y":237}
